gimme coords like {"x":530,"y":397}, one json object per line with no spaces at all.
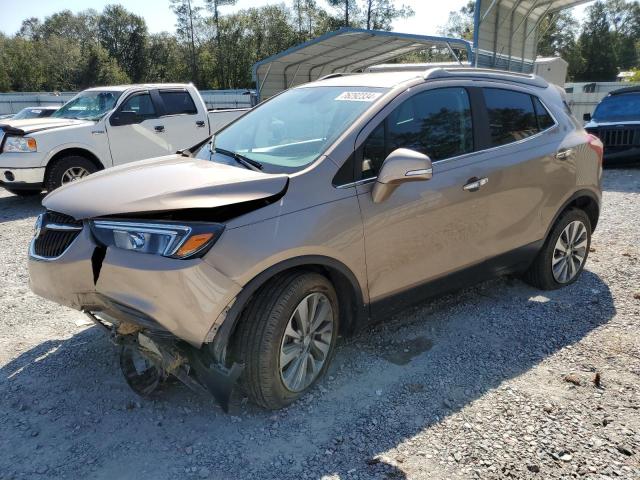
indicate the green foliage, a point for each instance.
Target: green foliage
{"x":124,"y":36}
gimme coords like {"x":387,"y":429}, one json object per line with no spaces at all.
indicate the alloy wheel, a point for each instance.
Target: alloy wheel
{"x":570,"y":252}
{"x":306,"y":342}
{"x":72,"y":174}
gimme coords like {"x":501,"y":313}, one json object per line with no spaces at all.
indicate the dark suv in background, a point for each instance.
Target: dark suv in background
{"x":616,"y":122}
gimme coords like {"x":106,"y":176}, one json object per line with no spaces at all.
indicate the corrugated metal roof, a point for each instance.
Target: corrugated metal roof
{"x":506,"y":32}
{"x":344,"y":50}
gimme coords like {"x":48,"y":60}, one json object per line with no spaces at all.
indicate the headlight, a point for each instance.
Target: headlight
{"x":158,"y":238}
{"x":20,"y":144}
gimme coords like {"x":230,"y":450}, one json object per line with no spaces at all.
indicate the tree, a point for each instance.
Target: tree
{"x":166,"y":60}
{"x":594,"y":46}
{"x":382,"y":13}
{"x":79,"y":28}
{"x":624,"y":21}
{"x":188,"y":18}
{"x":100,"y":68}
{"x":31,"y":29}
{"x":214,"y":8}
{"x":124,"y":35}
{"x":349,"y":11}
{"x":460,"y":23}
{"x":559,"y":34}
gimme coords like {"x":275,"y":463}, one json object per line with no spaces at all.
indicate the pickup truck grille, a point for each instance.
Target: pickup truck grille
{"x":54,"y":234}
{"x":619,"y":137}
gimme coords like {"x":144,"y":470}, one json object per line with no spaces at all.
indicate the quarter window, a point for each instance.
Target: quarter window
{"x":178,"y":102}
{"x":544,"y":118}
{"x":511,"y":115}
{"x":435,"y":122}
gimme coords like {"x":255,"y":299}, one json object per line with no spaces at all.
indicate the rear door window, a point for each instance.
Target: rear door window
{"x":178,"y":103}
{"x":511,"y":115}
{"x":435,"y":122}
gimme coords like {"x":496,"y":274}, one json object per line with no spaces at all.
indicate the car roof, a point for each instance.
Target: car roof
{"x":122,"y":88}
{"x":622,"y":91}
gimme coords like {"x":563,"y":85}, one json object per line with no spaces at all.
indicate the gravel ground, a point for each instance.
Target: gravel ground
{"x":496,"y":381}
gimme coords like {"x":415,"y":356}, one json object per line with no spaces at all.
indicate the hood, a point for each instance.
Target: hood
{"x":32,"y":125}
{"x":163,"y":184}
{"x":621,"y":123}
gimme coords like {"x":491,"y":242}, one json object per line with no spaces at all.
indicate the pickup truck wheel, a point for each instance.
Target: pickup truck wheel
{"x":23,"y":193}
{"x":67,"y":170}
{"x":287,"y":337}
{"x":564,"y":254}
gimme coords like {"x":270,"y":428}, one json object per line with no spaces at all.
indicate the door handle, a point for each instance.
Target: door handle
{"x":474,"y":184}
{"x":200,"y":123}
{"x":564,"y":153}
{"x":159,"y":128}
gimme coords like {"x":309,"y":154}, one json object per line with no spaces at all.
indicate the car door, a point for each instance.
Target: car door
{"x":425,"y":229}
{"x":533,"y":170}
{"x":184,"y":125}
{"x":134,"y":130}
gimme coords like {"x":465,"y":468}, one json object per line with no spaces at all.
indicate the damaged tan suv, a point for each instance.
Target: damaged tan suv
{"x":330,"y":205}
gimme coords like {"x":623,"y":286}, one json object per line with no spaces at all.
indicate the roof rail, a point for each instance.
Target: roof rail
{"x":482,"y":73}
{"x":337,"y":74}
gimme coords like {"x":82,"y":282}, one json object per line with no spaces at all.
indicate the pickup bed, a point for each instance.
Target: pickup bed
{"x":104,"y":127}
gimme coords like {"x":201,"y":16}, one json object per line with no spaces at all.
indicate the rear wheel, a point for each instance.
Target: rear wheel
{"x":287,"y":337}
{"x":564,"y":254}
{"x":67,"y":170}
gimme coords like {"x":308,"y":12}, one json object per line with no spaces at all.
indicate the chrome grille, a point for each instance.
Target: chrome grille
{"x":54,"y":233}
{"x":619,"y":137}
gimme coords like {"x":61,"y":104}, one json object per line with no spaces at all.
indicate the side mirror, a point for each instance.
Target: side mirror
{"x":586,"y":117}
{"x":401,"y":166}
{"x":120,"y":118}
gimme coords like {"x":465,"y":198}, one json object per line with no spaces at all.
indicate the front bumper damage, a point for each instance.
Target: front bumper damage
{"x":159,"y":309}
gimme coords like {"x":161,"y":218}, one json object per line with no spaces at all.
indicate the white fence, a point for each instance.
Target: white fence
{"x":215,"y":99}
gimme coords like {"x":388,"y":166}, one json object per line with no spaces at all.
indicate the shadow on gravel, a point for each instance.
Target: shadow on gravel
{"x":13,"y":207}
{"x":67,"y":410}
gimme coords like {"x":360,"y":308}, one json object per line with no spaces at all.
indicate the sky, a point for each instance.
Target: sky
{"x":430,"y":14}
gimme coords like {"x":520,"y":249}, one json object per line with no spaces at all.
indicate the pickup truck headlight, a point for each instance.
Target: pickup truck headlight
{"x":158,"y":238}
{"x":20,"y":144}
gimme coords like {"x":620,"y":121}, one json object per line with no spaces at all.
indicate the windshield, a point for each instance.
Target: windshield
{"x":26,"y":113}
{"x":293,"y":129}
{"x":618,"y":108}
{"x":90,"y":105}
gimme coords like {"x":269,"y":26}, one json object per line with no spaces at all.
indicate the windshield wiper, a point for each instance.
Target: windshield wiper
{"x":241,"y":159}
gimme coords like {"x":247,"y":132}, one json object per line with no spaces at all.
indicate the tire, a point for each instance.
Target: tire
{"x":541,"y":272}
{"x":24,"y":193}
{"x":56,"y":174}
{"x":261,"y":338}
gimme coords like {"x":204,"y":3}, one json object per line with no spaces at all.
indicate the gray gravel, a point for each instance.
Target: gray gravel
{"x":497,"y":381}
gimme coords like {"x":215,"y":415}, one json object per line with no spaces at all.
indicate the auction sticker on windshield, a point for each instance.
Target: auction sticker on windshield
{"x":358,"y":96}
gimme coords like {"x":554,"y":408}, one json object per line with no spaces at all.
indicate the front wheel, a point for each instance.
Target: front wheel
{"x":564,"y":254}
{"x":287,"y":337}
{"x":67,"y":170}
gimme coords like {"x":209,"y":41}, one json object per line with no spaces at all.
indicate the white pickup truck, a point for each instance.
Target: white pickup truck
{"x":103,"y":127}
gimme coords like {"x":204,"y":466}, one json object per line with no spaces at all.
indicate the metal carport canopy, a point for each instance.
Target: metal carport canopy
{"x":506,"y":32}
{"x":343,"y":50}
